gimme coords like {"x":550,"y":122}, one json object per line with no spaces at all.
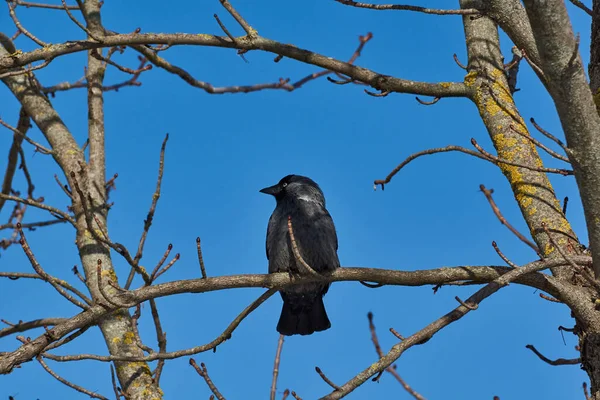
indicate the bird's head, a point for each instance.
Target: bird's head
{"x":296,"y":187}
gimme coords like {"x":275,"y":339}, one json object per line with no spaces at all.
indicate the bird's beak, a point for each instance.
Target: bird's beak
{"x":272,"y":190}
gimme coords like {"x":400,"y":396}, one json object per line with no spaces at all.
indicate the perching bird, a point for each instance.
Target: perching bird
{"x":301,"y":200}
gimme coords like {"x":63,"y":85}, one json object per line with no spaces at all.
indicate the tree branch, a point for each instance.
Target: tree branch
{"x":278,"y":281}
{"x":574,"y":102}
{"x":376,"y":80}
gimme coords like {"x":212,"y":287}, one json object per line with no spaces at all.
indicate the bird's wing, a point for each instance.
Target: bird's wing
{"x":316,"y":238}
{"x":268,"y":234}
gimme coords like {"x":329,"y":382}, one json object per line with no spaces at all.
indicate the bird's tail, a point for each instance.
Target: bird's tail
{"x":303,"y":320}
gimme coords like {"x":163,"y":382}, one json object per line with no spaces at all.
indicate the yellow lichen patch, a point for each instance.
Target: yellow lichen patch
{"x":470,"y":78}
{"x":109,"y":273}
{"x":525,"y":195}
{"x":116,"y":340}
{"x":129,"y":337}
{"x":492,"y":107}
{"x":445,"y":85}
{"x":512,"y":172}
{"x":548,"y":249}
{"x":532,"y":210}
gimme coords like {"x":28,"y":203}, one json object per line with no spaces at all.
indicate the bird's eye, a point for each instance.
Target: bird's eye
{"x":284,"y":185}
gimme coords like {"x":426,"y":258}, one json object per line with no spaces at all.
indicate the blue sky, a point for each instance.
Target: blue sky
{"x":223,"y":149}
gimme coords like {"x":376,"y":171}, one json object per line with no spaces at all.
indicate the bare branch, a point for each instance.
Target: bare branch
{"x":69,"y":384}
{"x":579,"y":4}
{"x":497,"y":160}
{"x":226,"y":335}
{"x":402,"y":7}
{"x":431,"y":329}
{"x":200,"y":258}
{"x":277,"y":281}
{"x":150,"y":215}
{"x":28,"y":4}
{"x":569,"y":88}
{"x":18,"y":132}
{"x":375,"y":80}
{"x":13,"y":15}
{"x":558,"y":361}
{"x":414,"y":156}
{"x":390,"y":369}
{"x":48,"y":278}
{"x":326,"y":379}
{"x":13,"y":155}
{"x":541,"y":145}
{"x":203,"y":372}
{"x":503,"y":221}
{"x":25,"y":326}
{"x":276,"y":367}
{"x":249,"y":30}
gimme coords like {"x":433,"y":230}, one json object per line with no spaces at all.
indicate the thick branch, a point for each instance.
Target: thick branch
{"x":376,"y":80}
{"x":567,"y":84}
{"x":277,"y":281}
{"x":531,"y":188}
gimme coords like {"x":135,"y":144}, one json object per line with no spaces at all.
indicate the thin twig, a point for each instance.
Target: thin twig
{"x":383,"y":182}
{"x":150,"y":216}
{"x":595,"y":283}
{"x":229,"y":35}
{"x":533,"y":65}
{"x":33,"y":203}
{"x":48,"y":278}
{"x":203,"y":372}
{"x":200,"y":258}
{"x":13,"y":15}
{"x":558,"y":361}
{"x":579,"y":4}
{"x":498,"y":160}
{"x":585,"y":392}
{"x":69,"y":384}
{"x":161,"y":338}
{"x":503,"y":221}
{"x":402,"y":7}
{"x":161,"y":262}
{"x":166,"y":267}
{"x":550,"y":299}
{"x":79,"y":24}
{"x":549,"y":135}
{"x":114,"y":383}
{"x":225,"y":335}
{"x":502,"y":256}
{"x":539,"y":144}
{"x":25,"y":326}
{"x":240,"y":20}
{"x":457,"y":61}
{"x":326,"y":379}
{"x":28,"y":4}
{"x":389,"y":369}
{"x":276,"y":367}
{"x":16,"y":131}
{"x":428,"y":103}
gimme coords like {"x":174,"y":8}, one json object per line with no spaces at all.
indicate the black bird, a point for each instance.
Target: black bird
{"x":301,"y":199}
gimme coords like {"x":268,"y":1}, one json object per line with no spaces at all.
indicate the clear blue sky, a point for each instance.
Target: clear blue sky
{"x":223,"y":149}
